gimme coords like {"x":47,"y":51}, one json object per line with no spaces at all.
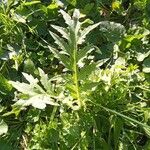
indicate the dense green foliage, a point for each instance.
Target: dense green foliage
{"x":75,"y":75}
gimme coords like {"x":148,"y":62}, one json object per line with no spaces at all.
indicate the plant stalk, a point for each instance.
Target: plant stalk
{"x":75,"y":73}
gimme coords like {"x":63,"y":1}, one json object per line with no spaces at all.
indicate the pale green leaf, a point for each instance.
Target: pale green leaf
{"x":120,"y":61}
{"x":19,"y":18}
{"x":61,"y":43}
{"x":85,"y":32}
{"x":130,"y":38}
{"x":4,"y":85}
{"x":101,"y":62}
{"x":146,"y":69}
{"x":83,"y":52}
{"x":40,"y":101}
{"x":44,"y":79}
{"x":142,"y":56}
{"x":29,"y":66}
{"x":60,"y":3}
{"x":67,"y":18}
{"x":77,"y":24}
{"x":66,"y":61}
{"x":76,"y":14}
{"x":3,"y":127}
{"x":62,"y":57}
{"x":38,"y":104}
{"x":23,"y":87}
{"x":30,"y":78}
{"x":146,"y":65}
{"x":31,"y":3}
{"x":62,"y":31}
{"x":52,"y":6}
{"x":38,"y":89}
{"x":54,"y":51}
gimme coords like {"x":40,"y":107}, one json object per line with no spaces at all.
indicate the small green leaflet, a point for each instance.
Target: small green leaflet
{"x":5,"y":86}
{"x":67,"y":18}
{"x":23,"y":88}
{"x":3,"y":127}
{"x":146,"y":65}
{"x":142,"y":56}
{"x":62,"y":31}
{"x":31,"y":3}
{"x":86,"y":31}
{"x":83,"y":52}
{"x":44,"y":80}
{"x":61,"y":43}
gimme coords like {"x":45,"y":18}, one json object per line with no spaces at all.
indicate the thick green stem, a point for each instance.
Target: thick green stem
{"x":75,"y":74}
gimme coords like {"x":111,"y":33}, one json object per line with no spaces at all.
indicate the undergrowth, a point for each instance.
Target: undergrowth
{"x":70,"y":95}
